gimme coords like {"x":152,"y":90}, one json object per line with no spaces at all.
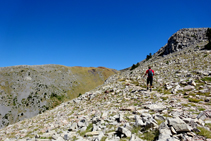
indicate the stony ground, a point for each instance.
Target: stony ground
{"x":178,"y":107}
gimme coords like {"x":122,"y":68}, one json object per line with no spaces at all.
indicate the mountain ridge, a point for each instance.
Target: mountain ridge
{"x":42,"y":87}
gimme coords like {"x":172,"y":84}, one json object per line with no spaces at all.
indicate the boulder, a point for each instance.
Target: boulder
{"x":204,"y":91}
{"x":131,"y":108}
{"x":93,"y":133}
{"x":165,"y":132}
{"x":82,"y":123}
{"x":139,"y":122}
{"x":183,"y":83}
{"x":159,"y":117}
{"x":202,"y":116}
{"x":178,"y":124}
{"x":124,"y":131}
{"x":135,"y":138}
{"x":191,"y":82}
{"x":60,"y":139}
{"x":156,"y":107}
{"x":189,"y":87}
{"x":73,"y":127}
{"x":99,"y":137}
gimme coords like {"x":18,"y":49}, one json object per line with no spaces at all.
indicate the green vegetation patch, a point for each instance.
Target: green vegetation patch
{"x":204,"y":132}
{"x":208,"y":125}
{"x":88,"y":129}
{"x":88,"y":78}
{"x":150,"y":135}
{"x":135,"y":83}
{"x":103,"y":138}
{"x":125,"y":139}
{"x":163,"y":90}
{"x":185,"y":104}
{"x":164,"y":97}
{"x":206,"y":79}
{"x":135,"y":129}
{"x":159,"y":121}
{"x":201,"y":109}
{"x":195,"y":100}
{"x":56,"y":99}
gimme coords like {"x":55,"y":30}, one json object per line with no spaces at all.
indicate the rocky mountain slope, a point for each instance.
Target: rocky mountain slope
{"x":186,"y":37}
{"x":26,"y":91}
{"x":183,"y":38}
{"x":177,"y":109}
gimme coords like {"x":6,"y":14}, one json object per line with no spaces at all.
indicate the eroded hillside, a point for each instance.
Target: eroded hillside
{"x":26,"y":91}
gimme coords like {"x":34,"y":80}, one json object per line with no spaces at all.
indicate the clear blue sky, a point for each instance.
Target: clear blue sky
{"x":92,"y":33}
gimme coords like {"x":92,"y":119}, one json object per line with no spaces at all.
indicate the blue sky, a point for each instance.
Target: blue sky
{"x":92,"y":33}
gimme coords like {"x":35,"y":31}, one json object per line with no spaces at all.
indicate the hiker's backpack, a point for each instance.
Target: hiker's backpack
{"x":150,"y":73}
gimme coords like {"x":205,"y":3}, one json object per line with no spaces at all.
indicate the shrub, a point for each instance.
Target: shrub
{"x":208,"y":46}
{"x":205,"y":55}
{"x":148,"y":57}
{"x":208,"y":34}
{"x":194,"y":36}
{"x":59,"y":97}
{"x":134,"y":66}
{"x":79,"y":94}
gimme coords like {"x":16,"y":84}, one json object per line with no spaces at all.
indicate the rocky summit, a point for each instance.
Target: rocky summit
{"x":183,"y":38}
{"x":122,"y":109}
{"x":26,"y":91}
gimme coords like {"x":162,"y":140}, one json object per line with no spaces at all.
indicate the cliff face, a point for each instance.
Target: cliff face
{"x":26,"y":91}
{"x":184,"y":38}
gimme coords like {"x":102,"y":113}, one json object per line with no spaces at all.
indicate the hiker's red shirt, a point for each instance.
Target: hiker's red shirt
{"x":151,"y":70}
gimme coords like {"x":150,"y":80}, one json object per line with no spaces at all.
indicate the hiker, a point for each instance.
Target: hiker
{"x":150,"y":73}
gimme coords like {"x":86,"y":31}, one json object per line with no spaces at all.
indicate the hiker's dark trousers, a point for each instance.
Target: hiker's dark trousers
{"x":149,"y":80}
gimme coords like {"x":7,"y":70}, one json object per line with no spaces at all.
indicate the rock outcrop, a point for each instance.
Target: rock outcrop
{"x":184,"y":38}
